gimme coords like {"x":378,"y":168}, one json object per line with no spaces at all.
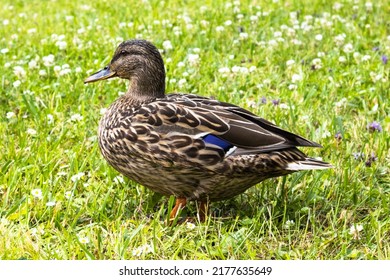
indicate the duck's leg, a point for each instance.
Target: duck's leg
{"x":203,"y":209}
{"x":180,"y":204}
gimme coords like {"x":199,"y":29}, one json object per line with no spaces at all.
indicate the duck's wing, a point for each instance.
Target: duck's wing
{"x":219,"y":125}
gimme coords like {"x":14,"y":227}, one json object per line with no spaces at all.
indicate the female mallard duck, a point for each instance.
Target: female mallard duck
{"x":189,"y":146}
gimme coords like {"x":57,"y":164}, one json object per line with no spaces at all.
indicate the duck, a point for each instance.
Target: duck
{"x":192,"y":147}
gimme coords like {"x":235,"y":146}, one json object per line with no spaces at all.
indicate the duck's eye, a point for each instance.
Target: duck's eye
{"x":124,"y":52}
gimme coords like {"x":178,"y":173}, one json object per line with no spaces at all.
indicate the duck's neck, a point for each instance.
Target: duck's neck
{"x":147,"y":84}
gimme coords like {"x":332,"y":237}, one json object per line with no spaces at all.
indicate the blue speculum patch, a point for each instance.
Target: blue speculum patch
{"x":212,"y":139}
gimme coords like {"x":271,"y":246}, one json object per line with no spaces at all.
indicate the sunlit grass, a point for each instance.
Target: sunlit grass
{"x":319,"y":70}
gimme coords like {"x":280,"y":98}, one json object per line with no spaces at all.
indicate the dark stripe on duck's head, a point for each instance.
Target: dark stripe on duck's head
{"x":223,"y":144}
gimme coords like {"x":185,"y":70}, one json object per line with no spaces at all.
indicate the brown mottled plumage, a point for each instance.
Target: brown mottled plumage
{"x":189,"y":146}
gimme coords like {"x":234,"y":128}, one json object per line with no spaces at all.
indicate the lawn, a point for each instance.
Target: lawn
{"x":316,"y":68}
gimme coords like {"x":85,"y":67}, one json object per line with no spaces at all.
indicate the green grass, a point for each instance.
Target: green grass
{"x":306,"y":215}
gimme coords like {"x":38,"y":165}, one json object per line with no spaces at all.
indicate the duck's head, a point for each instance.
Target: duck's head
{"x":138,"y":61}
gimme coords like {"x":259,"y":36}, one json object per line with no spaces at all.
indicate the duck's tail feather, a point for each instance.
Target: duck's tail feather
{"x":308,"y":164}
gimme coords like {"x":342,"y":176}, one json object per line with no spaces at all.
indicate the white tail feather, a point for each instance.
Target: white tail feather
{"x":308,"y":165}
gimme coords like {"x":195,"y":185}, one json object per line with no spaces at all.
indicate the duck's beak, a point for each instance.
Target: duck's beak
{"x":103,"y":74}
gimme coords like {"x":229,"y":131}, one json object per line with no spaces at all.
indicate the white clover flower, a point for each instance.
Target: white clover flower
{"x":342,"y":59}
{"x":57,"y":68}
{"x":355,"y":229}
{"x":190,"y":226}
{"x":81,"y":30}
{"x":193,"y":58}
{"x":50,"y":203}
{"x":320,"y":54}
{"x":68,"y":194}
{"x":204,"y":22}
{"x":33,"y":64}
{"x":366,"y":57}
{"x":36,"y":231}
{"x":377,"y":77}
{"x":325,"y":134}
{"x":341,"y":103}
{"x":4,"y":51}
{"x":10,"y":115}
{"x":28,"y":92}
{"x":339,"y":39}
{"x":181,"y":64}
{"x":37,"y":193}
{"x":50,"y":118}
{"x":289,"y":223}
{"x":318,"y":37}
{"x":348,"y":48}
{"x":224,"y":70}
{"x":32,"y":30}
{"x":251,"y":104}
{"x":368,"y":6}
{"x":308,"y":18}
{"x":219,"y":28}
{"x":283,"y":106}
{"x":374,"y":108}
{"x":337,"y":6}
{"x":64,"y":71}
{"x":77,"y":177}
{"x":62,"y":173}
{"x":144,"y":249}
{"x":167,"y":45}
{"x":305,"y":118}
{"x":181,"y":82}
{"x":31,"y":131}
{"x":42,"y":72}
{"x":103,"y":111}
{"x":137,"y":251}
{"x":4,"y":221}
{"x":84,"y":240}
{"x":272,"y":43}
{"x":244,"y":70}
{"x":19,"y":72}
{"x":296,"y":78}
{"x":5,"y":22}
{"x":252,"y":68}
{"x":119,"y":180}
{"x":317,"y":63}
{"x":293,"y":15}
{"x":76,"y":118}
{"x":236,"y":69}
{"x":147,"y":249}
{"x":296,"y":42}
{"x":278,"y":34}
{"x":78,"y":69}
{"x":176,"y":30}
{"x":290,"y":62}
{"x":48,"y":60}
{"x":356,"y":55}
{"x":244,"y":35}
{"x":292,"y":87}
